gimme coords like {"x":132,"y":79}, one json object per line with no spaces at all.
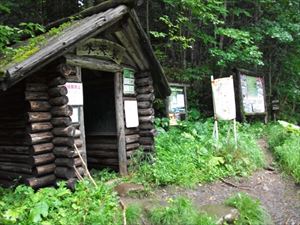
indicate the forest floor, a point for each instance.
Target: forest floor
{"x":276,"y":191}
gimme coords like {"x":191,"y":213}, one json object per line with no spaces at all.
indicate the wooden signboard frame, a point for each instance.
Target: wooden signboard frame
{"x":241,"y":114}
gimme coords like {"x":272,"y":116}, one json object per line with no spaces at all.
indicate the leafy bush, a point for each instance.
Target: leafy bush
{"x":285,"y":142}
{"x":48,"y":206}
{"x":251,"y":211}
{"x":187,"y":154}
{"x":133,"y":214}
{"x":179,"y":211}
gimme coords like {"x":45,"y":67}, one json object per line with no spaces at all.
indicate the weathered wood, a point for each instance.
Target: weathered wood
{"x":144,"y":74}
{"x":142,"y":82}
{"x":13,"y":124}
{"x":36,"y":87}
{"x":38,"y":182}
{"x":38,"y":106}
{"x":93,"y":64}
{"x":58,"y":91}
{"x":146,"y":141}
{"x":42,"y":148}
{"x":63,"y":141}
{"x":66,"y":70}
{"x":29,"y":95}
{"x":15,"y":158}
{"x":146,"y":126}
{"x":64,"y":131}
{"x":148,"y":148}
{"x":38,"y":127}
{"x":65,"y":151}
{"x":43,"y":159}
{"x":145,"y":90}
{"x":132,"y":146}
{"x":146,"y":97}
{"x":65,"y":110}
{"x":102,"y":154}
{"x":38,"y":117}
{"x":77,"y":133}
{"x":58,"y":81}
{"x":44,"y":169}
{"x":102,"y":146}
{"x":14,"y":149}
{"x":67,"y":173}
{"x":129,"y":131}
{"x":120,"y":124}
{"x":68,"y":162}
{"x":146,"y":119}
{"x":144,"y":104}
{"x":78,"y":143}
{"x":88,"y":27}
{"x":146,"y":112}
{"x":61,"y":121}
{"x":105,"y":161}
{"x":148,"y":133}
{"x":16,"y":169}
{"x":59,"y":101}
{"x":132,"y":138}
{"x":12,"y":175}
{"x":37,"y":138}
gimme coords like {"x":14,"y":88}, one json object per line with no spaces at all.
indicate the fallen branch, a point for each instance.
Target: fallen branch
{"x":234,"y":185}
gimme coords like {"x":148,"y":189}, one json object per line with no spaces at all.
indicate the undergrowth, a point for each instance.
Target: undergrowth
{"x":48,"y":206}
{"x":187,"y":154}
{"x":250,"y":210}
{"x":285,"y":142}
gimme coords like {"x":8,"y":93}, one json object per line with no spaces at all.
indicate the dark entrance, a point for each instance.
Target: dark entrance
{"x":100,"y":119}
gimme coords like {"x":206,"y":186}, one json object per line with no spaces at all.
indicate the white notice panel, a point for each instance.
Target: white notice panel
{"x":223,"y":98}
{"x":131,"y":113}
{"x":75,"y":93}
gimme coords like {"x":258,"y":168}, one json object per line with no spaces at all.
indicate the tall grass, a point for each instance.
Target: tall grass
{"x":187,"y":154}
{"x":285,"y":145}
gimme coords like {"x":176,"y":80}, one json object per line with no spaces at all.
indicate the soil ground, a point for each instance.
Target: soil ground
{"x":277,"y":192}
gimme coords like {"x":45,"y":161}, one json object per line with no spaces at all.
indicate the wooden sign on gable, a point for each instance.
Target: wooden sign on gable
{"x":103,"y":49}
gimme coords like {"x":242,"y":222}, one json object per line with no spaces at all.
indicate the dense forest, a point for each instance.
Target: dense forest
{"x":196,"y":39}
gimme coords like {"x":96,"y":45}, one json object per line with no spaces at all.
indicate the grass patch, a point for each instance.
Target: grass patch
{"x":179,"y":211}
{"x":251,"y":211}
{"x":48,"y":206}
{"x":187,"y":154}
{"x":285,"y":142}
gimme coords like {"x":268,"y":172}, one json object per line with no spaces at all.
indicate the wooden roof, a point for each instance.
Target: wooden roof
{"x":96,"y":20}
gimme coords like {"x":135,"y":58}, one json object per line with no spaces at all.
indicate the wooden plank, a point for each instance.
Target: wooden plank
{"x":57,"y":46}
{"x":120,"y":124}
{"x":93,"y":64}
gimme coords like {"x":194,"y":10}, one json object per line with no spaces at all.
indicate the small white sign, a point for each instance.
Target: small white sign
{"x":75,"y":93}
{"x":131,"y":113}
{"x":75,"y":115}
{"x":224,"y":98}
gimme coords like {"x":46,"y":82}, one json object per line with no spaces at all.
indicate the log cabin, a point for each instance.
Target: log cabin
{"x":86,"y":88}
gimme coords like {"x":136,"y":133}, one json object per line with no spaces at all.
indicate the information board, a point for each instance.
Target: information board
{"x":131,"y":113}
{"x":253,"y":96}
{"x":75,"y":93}
{"x":128,"y":81}
{"x":177,"y":103}
{"x":224,"y":98}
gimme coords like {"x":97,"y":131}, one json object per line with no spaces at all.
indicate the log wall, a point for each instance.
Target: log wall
{"x":145,"y":98}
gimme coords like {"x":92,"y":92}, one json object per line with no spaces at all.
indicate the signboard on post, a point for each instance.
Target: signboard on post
{"x":224,"y":103}
{"x":131,"y":113}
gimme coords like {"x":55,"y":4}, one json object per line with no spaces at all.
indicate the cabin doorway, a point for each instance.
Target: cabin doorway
{"x":100,"y":119}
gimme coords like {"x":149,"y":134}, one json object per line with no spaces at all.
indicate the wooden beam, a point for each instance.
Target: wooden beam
{"x":120,"y":124}
{"x":93,"y":63}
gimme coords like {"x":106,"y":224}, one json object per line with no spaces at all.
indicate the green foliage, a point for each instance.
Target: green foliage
{"x":179,"y":211}
{"x":133,"y":214}
{"x":251,"y":211}
{"x":47,"y":206}
{"x":187,"y":154}
{"x":285,"y":142}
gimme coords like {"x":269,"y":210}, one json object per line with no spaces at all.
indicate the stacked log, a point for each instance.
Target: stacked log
{"x":65,"y":133}
{"x":102,"y":151}
{"x":132,"y":139}
{"x":38,"y":134}
{"x":145,"y":98}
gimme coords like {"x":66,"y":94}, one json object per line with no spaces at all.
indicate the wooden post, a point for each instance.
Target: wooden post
{"x":120,"y":123}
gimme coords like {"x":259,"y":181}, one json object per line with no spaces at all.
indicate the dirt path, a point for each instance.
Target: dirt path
{"x":278,"y":194}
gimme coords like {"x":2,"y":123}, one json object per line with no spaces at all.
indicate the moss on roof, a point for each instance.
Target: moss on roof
{"x":23,"y":50}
